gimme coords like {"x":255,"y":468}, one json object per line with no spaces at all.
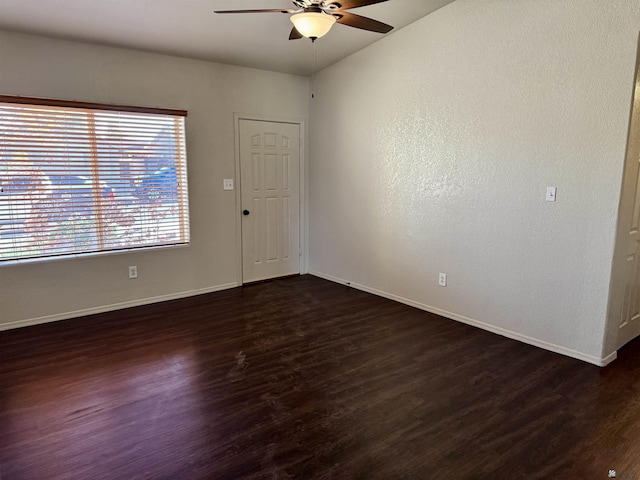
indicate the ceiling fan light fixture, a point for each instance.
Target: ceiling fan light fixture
{"x":313,"y":24}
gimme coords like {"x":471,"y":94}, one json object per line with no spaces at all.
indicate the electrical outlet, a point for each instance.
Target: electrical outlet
{"x":442,"y":279}
{"x":133,"y":271}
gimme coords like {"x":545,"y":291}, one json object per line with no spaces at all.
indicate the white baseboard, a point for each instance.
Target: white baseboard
{"x":604,"y":361}
{"x":114,"y":306}
{"x":601,"y":362}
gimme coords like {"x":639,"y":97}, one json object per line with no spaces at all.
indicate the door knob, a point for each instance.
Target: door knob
{"x":245,"y":212}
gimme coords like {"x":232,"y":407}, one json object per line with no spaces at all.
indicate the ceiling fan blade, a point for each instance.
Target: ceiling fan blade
{"x":295,"y":34}
{"x":347,"y":4}
{"x":364,"y":23}
{"x":272,"y":10}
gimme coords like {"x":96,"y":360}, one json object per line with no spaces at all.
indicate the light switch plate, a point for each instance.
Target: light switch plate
{"x":228,"y":183}
{"x":551,"y":194}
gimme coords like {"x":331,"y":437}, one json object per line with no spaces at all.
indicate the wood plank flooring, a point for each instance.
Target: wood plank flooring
{"x":301,"y":378}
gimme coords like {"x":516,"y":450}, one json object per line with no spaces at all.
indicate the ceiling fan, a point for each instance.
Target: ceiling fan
{"x":314,"y":18}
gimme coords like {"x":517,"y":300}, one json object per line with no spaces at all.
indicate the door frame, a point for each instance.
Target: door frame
{"x":304,"y":200}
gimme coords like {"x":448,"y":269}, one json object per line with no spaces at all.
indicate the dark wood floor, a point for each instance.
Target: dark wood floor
{"x":301,"y":378}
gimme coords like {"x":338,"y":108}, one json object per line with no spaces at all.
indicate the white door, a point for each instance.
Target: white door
{"x":629,"y":327}
{"x":270,"y":199}
{"x":629,"y":230}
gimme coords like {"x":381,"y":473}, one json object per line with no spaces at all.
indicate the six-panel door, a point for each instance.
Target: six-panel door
{"x":270,"y":192}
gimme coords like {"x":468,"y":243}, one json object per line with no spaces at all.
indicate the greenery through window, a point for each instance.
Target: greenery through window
{"x":82,"y":178}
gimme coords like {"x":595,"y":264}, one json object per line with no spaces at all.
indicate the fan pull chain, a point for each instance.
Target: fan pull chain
{"x":313,"y":71}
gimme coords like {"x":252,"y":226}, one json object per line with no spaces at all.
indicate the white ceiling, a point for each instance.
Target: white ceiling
{"x":189,"y":28}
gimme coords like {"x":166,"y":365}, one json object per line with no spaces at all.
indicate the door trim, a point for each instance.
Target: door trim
{"x":304,"y":222}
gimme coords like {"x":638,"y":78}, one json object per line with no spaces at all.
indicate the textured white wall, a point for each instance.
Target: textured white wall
{"x":36,"y":66}
{"x":432,"y":149}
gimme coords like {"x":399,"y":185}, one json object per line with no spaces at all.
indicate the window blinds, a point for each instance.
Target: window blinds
{"x":83,"y":178}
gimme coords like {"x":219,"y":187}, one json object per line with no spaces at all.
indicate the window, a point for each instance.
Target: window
{"x":83,"y":178}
